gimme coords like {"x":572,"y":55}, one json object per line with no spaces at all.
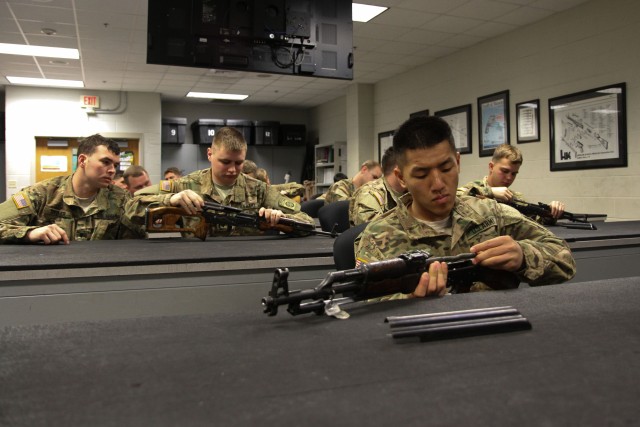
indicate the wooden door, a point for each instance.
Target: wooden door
{"x":57,"y":156}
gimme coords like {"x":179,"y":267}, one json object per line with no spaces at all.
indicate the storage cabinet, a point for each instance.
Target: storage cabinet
{"x":329,"y":160}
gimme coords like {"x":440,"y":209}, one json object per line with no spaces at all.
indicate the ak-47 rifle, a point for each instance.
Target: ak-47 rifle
{"x":163,"y":219}
{"x":543,"y":210}
{"x":380,"y":278}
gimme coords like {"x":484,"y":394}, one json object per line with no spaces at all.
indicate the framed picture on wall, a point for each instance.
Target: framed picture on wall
{"x":493,"y":121}
{"x":459,"y":119}
{"x":423,"y":113}
{"x":385,"y":140}
{"x":588,"y":129}
{"x":528,"y":121}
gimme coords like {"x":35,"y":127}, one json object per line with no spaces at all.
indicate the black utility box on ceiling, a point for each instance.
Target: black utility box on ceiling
{"x":244,"y":126}
{"x":204,"y":130}
{"x":173,"y":130}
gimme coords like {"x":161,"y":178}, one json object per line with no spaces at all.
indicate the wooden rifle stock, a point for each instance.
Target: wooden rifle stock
{"x":163,"y":219}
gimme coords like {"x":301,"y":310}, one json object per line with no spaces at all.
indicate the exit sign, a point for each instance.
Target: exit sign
{"x":88,"y":101}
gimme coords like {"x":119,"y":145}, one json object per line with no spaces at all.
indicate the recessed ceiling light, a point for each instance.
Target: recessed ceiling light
{"x":30,"y":81}
{"x":49,"y":31}
{"x":58,"y":62}
{"x":30,"y":50}
{"x":225,"y":96}
{"x":365,"y":12}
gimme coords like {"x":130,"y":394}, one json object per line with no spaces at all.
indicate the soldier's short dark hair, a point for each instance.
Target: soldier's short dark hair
{"x":339,"y":177}
{"x":230,"y":139}
{"x":388,"y":161}
{"x":509,"y":152}
{"x":134,"y":171}
{"x":89,"y":144}
{"x":421,"y":132}
{"x":250,"y":168}
{"x":173,"y":170}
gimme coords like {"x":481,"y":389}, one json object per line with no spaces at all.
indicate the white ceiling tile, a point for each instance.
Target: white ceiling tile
{"x":483,"y":9}
{"x":451,"y":24}
{"x":524,"y":16}
{"x":490,"y":29}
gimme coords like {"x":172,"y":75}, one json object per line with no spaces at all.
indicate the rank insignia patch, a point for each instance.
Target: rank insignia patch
{"x":21,"y":200}
{"x":165,"y":186}
{"x":286,"y":203}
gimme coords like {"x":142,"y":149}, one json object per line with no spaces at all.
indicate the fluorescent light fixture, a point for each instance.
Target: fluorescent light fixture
{"x":225,"y":96}
{"x":365,"y":12}
{"x":29,"y":50}
{"x":29,"y":81}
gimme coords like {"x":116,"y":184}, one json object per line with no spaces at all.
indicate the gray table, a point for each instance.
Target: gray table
{"x":578,"y":366}
{"x":139,"y":278}
{"x":133,"y":278}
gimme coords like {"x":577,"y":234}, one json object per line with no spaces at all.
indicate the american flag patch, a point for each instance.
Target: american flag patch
{"x":20,"y":200}
{"x":360,"y":261}
{"x":165,"y":186}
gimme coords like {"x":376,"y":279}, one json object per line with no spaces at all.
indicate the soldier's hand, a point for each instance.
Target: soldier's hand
{"x":188,"y":200}
{"x":499,"y":253}
{"x":49,"y":235}
{"x":557,"y":209}
{"x":272,"y":216}
{"x":502,"y":194}
{"x":433,"y":282}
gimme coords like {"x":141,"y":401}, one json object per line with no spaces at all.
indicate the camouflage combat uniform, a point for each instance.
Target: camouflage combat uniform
{"x":341,"y":190}
{"x":292,"y":190}
{"x":547,"y":258}
{"x":248,"y":194}
{"x":482,"y":188}
{"x":53,"y":202}
{"x":370,"y":200}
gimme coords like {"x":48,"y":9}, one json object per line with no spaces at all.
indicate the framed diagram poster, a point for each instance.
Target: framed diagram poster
{"x":459,"y":119}
{"x":493,"y":121}
{"x":588,"y":129}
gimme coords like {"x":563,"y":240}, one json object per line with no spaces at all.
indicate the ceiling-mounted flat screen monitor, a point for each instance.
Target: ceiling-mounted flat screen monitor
{"x":298,"y":37}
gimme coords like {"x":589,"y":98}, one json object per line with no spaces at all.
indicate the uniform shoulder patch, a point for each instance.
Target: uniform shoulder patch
{"x":287,"y":203}
{"x":166,"y":186}
{"x":360,"y":261}
{"x":21,"y":200}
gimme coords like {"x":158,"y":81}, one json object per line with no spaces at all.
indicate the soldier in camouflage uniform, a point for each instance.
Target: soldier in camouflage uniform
{"x":344,"y":189}
{"x":503,"y":169}
{"x":433,"y":218}
{"x":378,"y":196}
{"x":82,"y":206}
{"x":222,"y":183}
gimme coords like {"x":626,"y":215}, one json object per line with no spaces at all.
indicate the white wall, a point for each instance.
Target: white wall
{"x":328,"y":122}
{"x":32,"y":112}
{"x":592,"y":45}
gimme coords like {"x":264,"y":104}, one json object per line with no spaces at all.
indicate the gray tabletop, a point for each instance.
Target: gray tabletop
{"x":579,"y":365}
{"x":161,"y":251}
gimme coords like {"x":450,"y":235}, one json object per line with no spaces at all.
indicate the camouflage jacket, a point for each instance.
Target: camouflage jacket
{"x":481,"y":187}
{"x":547,"y":258}
{"x":341,"y":190}
{"x":53,"y":202}
{"x":291,"y":189}
{"x":248,"y":194}
{"x":370,"y":200}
